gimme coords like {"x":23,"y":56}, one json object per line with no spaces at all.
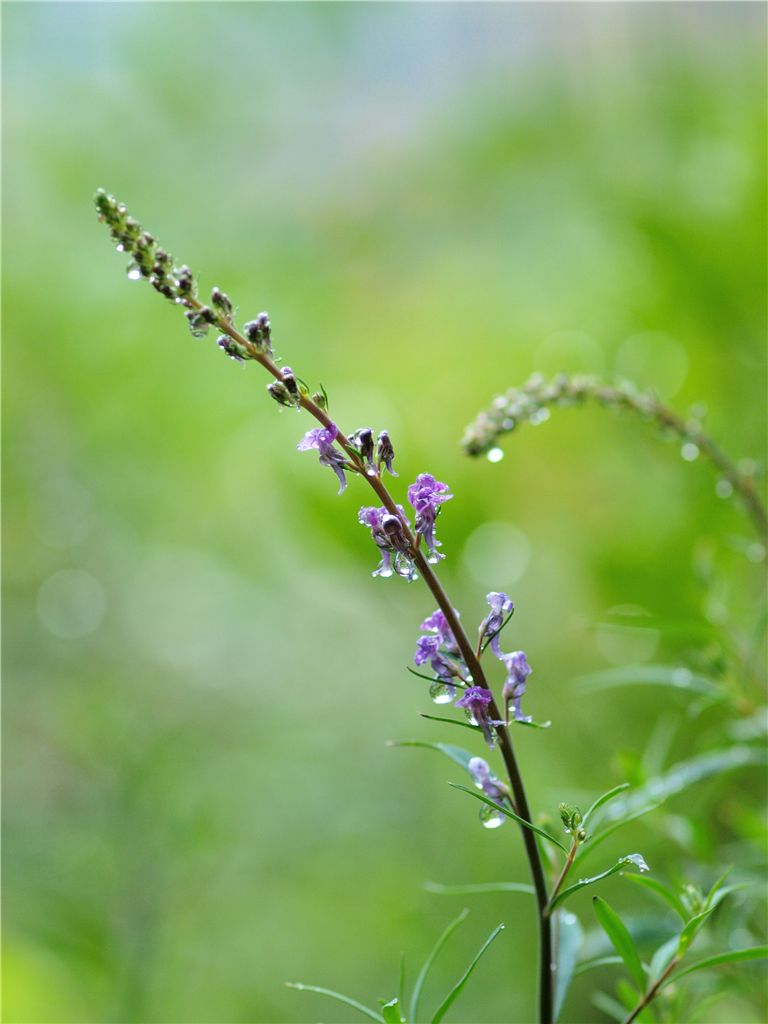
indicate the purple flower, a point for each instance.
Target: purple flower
{"x":385,"y":452}
{"x":321,"y":439}
{"x":390,"y":538}
{"x":427,"y":495}
{"x":518,"y":671}
{"x":428,"y":650}
{"x":231,"y":347}
{"x":486,"y":780}
{"x":437,"y":623}
{"x":475,"y":701}
{"x":501,"y":606}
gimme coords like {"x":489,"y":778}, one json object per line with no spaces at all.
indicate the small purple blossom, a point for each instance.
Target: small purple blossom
{"x":475,"y":701}
{"x":501,"y":606}
{"x":390,"y":538}
{"x":518,"y":671}
{"x":428,"y":650}
{"x":484,"y":779}
{"x":437,"y":623}
{"x":427,"y":495}
{"x":233,"y":350}
{"x":385,"y":452}
{"x":321,"y":439}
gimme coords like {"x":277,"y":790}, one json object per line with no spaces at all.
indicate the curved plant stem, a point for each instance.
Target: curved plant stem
{"x":525,"y":404}
{"x":652,"y":991}
{"x":471,"y":659}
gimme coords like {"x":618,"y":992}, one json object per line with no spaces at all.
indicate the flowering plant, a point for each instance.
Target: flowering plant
{"x":459,"y":673}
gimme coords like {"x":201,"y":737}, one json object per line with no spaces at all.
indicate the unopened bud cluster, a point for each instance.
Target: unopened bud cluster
{"x":571,"y":819}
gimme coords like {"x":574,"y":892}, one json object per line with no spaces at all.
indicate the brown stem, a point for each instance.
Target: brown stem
{"x":652,"y":991}
{"x":471,"y":659}
{"x":562,"y":876}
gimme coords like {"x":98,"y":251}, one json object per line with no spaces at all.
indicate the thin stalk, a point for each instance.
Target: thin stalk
{"x":563,"y":874}
{"x":652,"y":991}
{"x":471,"y":659}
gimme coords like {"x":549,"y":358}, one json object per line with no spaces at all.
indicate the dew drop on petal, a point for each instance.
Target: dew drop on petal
{"x":495,"y":455}
{"x":442,"y":693}
{"x":690,"y":451}
{"x":490,"y":817}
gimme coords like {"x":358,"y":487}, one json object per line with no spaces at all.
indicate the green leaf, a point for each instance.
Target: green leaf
{"x":366,"y":1011}
{"x":631,"y":859}
{"x":621,"y":940}
{"x":478,"y":888}
{"x":457,"y":989}
{"x":596,"y":961}
{"x":570,"y":936}
{"x":610,"y":1007}
{"x":672,"y":677}
{"x":663,"y":891}
{"x":391,"y":1012}
{"x":530,"y":725}
{"x":604,"y":800}
{"x":458,"y":755}
{"x":734,"y":956}
{"x":510,"y":814}
{"x":662,"y":958}
{"x":424,"y":972}
{"x":684,"y":774}
{"x":422,"y":675}
{"x":451,"y":721}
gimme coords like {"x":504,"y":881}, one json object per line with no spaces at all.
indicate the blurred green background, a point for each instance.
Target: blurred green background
{"x":432,"y":201}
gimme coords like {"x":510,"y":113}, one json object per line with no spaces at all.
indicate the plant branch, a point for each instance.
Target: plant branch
{"x":652,"y":991}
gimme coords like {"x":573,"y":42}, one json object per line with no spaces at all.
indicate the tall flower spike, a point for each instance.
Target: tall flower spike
{"x":501,"y":606}
{"x":518,"y":671}
{"x":475,"y":701}
{"x":427,"y":495}
{"x":321,"y":440}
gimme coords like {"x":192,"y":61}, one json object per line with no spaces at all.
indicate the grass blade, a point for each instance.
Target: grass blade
{"x":456,"y":991}
{"x":451,"y":721}
{"x":478,"y":888}
{"x":597,"y":961}
{"x":424,"y":972}
{"x":509,"y":814}
{"x":366,"y":1011}
{"x":569,"y":938}
{"x":621,"y":940}
{"x":672,"y":677}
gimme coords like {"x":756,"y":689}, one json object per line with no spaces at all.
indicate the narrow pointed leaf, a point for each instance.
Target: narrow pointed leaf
{"x":452,"y":721}
{"x":663,"y":891}
{"x":595,"y":962}
{"x":569,"y":939}
{"x":625,"y":862}
{"x":662,"y":958}
{"x":391,"y":1012}
{"x":669,"y":676}
{"x":427,"y":966}
{"x":510,"y":814}
{"x":457,"y":989}
{"x":610,"y":1007}
{"x":621,"y":940}
{"x":732,"y":957}
{"x":478,"y":888}
{"x":365,"y":1010}
{"x":530,"y":725}
{"x":604,"y":800}
{"x":458,"y":755}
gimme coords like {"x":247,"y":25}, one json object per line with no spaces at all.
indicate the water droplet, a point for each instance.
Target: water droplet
{"x":690,"y":451}
{"x":495,"y":455}
{"x":682,"y":678}
{"x":756,"y":552}
{"x":490,"y":817}
{"x":540,"y":416}
{"x":724,"y":488}
{"x":198,"y":332}
{"x":470,"y":717}
{"x":442,"y":693}
{"x":134,"y":274}
{"x":120,"y":247}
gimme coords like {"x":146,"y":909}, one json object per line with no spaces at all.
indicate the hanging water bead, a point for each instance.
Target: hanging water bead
{"x":723,"y":488}
{"x":133,"y":272}
{"x":491,"y":817}
{"x":690,"y":451}
{"x":495,"y":455}
{"x":442,"y":693}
